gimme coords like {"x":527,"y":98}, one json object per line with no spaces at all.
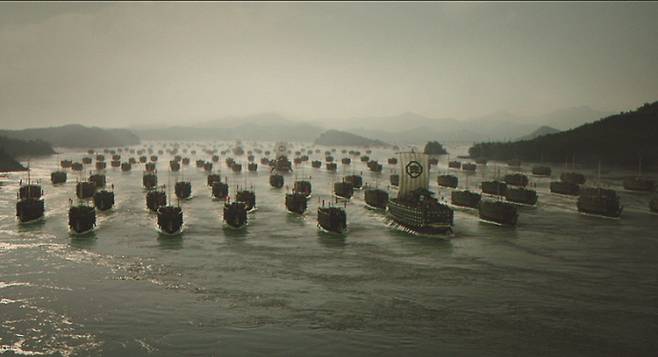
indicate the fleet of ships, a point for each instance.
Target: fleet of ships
{"x":409,"y":205}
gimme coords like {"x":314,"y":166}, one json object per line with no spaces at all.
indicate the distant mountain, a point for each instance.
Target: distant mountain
{"x":342,"y":138}
{"x":76,"y":136}
{"x":407,"y":128}
{"x":544,"y":130}
{"x":8,"y":164}
{"x":276,"y":130}
{"x":413,"y":128}
{"x":618,"y":139}
{"x":261,"y":119}
{"x":403,"y":128}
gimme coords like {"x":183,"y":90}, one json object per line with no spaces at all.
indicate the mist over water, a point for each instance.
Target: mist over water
{"x":560,"y":283}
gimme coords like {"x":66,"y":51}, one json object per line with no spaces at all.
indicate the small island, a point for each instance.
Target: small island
{"x":434,"y":148}
{"x":342,"y":138}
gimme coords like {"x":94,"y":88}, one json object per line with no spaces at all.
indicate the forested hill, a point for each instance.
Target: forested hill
{"x":17,"y":147}
{"x":619,"y":139}
{"x":76,"y":136}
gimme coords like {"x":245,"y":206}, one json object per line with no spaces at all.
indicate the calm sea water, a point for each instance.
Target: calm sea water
{"x":560,"y":283}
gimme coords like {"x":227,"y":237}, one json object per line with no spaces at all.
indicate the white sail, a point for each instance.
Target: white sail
{"x":280,"y":149}
{"x":414,"y":172}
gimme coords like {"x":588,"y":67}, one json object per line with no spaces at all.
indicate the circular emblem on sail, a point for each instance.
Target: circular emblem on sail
{"x":414,"y":169}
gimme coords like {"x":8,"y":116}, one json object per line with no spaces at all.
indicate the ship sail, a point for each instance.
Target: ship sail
{"x":280,"y":149}
{"x":414,"y":173}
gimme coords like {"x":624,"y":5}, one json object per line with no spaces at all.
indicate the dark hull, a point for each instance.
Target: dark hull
{"x":600,"y":202}
{"x":376,"y":198}
{"x":343,"y":189}
{"x":82,"y":219}
{"x":332,"y":219}
{"x":469,"y":167}
{"x":149,"y":181}
{"x":435,"y":220}
{"x":248,"y":197}
{"x":516,"y":180}
{"x":85,"y":190}
{"x":355,"y":180}
{"x":296,"y":203}
{"x":155,"y":200}
{"x":98,"y":180}
{"x":30,"y":191}
{"x":219,"y":190}
{"x":502,"y":213}
{"x":303,"y":187}
{"x":521,"y":195}
{"x":465,"y":199}
{"x":541,"y":171}
{"x":235,"y":214}
{"x":276,"y":181}
{"x":494,"y":188}
{"x":447,"y":181}
{"x":565,"y":188}
{"x":573,"y":177}
{"x":639,"y":184}
{"x":58,"y":177}
{"x":183,"y":190}
{"x":29,"y":210}
{"x":103,"y":200}
{"x":170,"y":219}
{"x":212,"y":179}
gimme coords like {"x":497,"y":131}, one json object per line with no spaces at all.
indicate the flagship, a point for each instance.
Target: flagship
{"x":414,"y":208}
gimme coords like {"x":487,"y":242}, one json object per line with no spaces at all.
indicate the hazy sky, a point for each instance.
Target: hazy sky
{"x":122,"y":64}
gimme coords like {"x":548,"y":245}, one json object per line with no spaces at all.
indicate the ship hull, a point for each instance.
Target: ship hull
{"x":420,"y":221}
